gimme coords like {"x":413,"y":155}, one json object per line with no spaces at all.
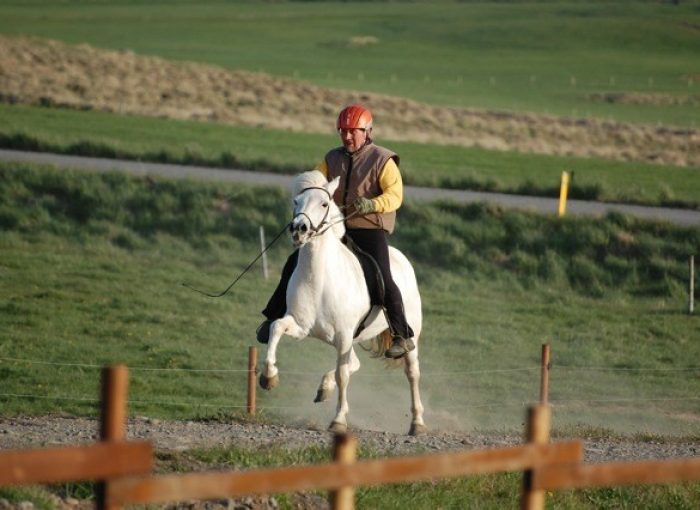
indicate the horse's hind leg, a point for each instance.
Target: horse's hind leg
{"x":412,"y":370}
{"x":326,"y":387}
{"x":328,"y":384}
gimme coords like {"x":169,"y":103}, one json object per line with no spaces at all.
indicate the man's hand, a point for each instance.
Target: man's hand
{"x":364,"y":205}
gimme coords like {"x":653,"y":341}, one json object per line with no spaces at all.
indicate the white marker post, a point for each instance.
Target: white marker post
{"x":262,"y":250}
{"x":691,"y":285}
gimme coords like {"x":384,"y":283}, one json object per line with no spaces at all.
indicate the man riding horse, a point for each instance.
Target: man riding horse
{"x":370,"y":192}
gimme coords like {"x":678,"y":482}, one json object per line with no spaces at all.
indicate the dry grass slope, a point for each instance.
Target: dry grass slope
{"x":34,"y":71}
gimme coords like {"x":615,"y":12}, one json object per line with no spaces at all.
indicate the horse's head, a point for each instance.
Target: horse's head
{"x":314,"y":211}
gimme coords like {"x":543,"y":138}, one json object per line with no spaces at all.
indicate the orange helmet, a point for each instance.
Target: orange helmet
{"x":354,"y":116}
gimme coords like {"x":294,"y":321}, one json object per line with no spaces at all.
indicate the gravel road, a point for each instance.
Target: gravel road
{"x":686,"y":217}
{"x":172,"y":440}
{"x":174,"y":436}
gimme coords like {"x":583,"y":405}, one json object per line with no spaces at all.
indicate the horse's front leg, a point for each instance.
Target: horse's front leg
{"x":269,"y":377}
{"x":342,"y":379}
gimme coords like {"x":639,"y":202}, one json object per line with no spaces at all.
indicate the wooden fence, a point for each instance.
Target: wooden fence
{"x":124,"y":468}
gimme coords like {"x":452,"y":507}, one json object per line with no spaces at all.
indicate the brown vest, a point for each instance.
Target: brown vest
{"x":359,"y":177}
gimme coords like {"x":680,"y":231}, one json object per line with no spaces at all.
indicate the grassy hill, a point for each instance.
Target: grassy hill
{"x":629,"y":61}
{"x":210,"y":144}
{"x":469,"y":148}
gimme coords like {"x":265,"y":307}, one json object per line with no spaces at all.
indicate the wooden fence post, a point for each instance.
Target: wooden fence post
{"x":544,"y":377}
{"x":538,"y":428}
{"x":344,"y":452}
{"x":115,"y":384}
{"x":252,"y":368}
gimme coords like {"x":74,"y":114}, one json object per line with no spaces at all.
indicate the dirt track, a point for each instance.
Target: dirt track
{"x":51,"y":73}
{"x":173,"y":439}
{"x":186,"y":435}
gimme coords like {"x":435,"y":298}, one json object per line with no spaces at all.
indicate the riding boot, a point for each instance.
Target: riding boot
{"x":401,"y":342}
{"x":277,"y":305}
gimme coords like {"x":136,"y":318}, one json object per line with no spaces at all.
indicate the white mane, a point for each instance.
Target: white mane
{"x":307,"y":180}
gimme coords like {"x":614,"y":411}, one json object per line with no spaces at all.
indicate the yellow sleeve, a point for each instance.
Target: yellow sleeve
{"x":323,"y":168}
{"x":392,"y":188}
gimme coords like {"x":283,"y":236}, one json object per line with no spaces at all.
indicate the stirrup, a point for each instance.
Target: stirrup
{"x":263,"y":332}
{"x":399,"y":347}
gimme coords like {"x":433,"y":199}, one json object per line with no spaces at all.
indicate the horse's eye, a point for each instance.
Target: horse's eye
{"x":295,"y":202}
{"x":325,"y":204}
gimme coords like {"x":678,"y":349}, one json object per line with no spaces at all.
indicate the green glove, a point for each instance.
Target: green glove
{"x":364,"y":205}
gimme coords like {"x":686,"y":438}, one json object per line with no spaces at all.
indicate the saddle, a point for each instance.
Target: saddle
{"x":373,"y":279}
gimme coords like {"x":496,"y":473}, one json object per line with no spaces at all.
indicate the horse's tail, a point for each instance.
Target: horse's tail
{"x":378,"y":346}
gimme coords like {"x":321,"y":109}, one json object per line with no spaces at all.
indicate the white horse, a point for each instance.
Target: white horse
{"x":327,"y":298}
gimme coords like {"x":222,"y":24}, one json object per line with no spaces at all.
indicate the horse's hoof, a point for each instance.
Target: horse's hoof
{"x":267,"y":383}
{"x":322,"y":395}
{"x":338,"y":428}
{"x":417,"y":429}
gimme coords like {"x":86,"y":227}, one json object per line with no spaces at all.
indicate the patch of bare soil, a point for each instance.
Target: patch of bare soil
{"x":51,"y":73}
{"x":636,"y":98}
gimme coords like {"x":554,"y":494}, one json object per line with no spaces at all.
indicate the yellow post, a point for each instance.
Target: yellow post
{"x":563,"y":193}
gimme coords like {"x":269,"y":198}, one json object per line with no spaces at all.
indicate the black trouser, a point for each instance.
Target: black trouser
{"x":372,"y":241}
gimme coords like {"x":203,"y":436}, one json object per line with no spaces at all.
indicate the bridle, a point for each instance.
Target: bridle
{"x":318,"y":230}
{"x":314,"y":228}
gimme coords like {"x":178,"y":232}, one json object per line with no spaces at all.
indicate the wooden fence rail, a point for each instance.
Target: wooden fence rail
{"x":160,"y":489}
{"x":576,"y":476}
{"x":90,"y":463}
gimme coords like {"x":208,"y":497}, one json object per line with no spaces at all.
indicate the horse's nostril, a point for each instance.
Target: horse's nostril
{"x":291,"y":227}
{"x":304,"y":228}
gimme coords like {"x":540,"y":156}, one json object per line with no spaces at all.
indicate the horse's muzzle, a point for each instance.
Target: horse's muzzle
{"x":300,"y":231}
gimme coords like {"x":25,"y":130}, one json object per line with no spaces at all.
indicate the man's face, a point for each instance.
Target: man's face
{"x":353,"y":138}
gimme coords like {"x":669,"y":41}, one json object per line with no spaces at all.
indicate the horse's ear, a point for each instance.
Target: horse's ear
{"x":333,"y":185}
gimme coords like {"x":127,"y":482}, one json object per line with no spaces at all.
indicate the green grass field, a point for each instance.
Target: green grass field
{"x":92,"y":268}
{"x":190,"y":142}
{"x":504,"y":56}
{"x":517,"y":56}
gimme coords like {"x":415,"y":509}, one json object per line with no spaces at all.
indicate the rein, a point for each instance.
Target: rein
{"x":315,"y":229}
{"x":244,"y":271}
